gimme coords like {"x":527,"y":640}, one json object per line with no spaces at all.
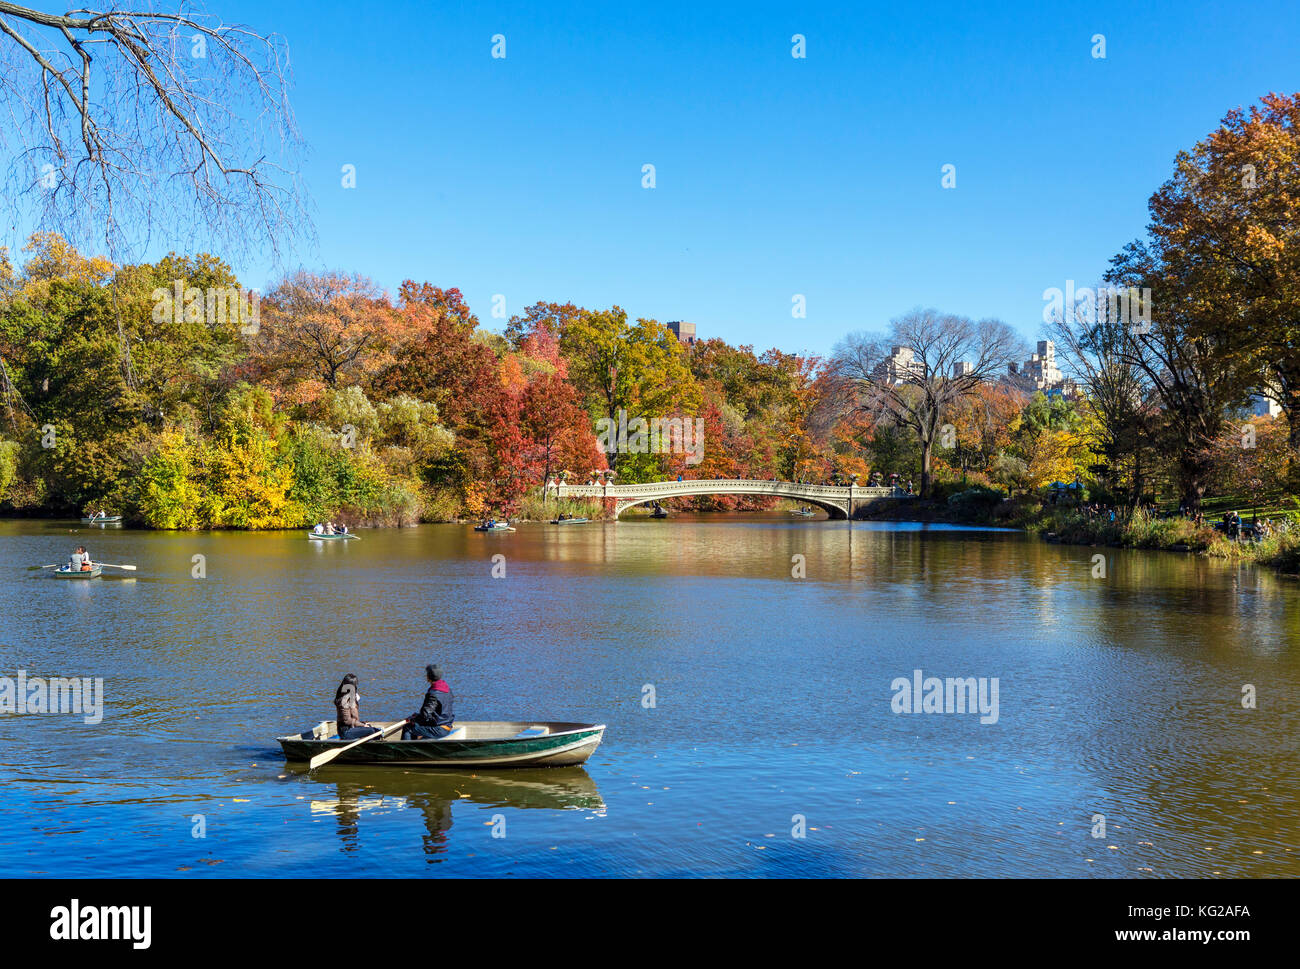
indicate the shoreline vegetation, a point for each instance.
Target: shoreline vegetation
{"x":1142,"y":529}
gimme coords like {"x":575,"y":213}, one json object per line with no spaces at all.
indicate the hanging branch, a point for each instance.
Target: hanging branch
{"x":122,"y":127}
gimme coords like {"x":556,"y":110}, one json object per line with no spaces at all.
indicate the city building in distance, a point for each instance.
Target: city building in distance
{"x":685,"y":332}
{"x":900,"y":366}
{"x":1040,"y":373}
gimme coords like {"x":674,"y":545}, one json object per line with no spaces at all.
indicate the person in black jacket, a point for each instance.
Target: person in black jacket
{"x":434,"y":718}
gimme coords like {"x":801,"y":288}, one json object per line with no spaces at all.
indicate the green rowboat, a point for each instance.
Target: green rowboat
{"x":495,"y":527}
{"x":569,"y":521}
{"x":472,"y":744}
{"x":64,"y":572}
{"x":103,"y":520}
{"x":322,"y":537}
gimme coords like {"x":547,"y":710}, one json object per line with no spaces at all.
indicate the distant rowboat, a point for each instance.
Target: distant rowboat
{"x":322,"y":536}
{"x":494,"y":527}
{"x":102,"y":520}
{"x":569,"y":521}
{"x":66,"y":573}
{"x":483,"y":743}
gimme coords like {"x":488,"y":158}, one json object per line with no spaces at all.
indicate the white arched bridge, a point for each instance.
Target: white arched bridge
{"x":839,"y":501}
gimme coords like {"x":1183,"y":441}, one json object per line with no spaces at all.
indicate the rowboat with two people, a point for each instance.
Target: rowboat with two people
{"x":327,"y":532}
{"x":569,"y":520}
{"x":79,"y":566}
{"x":433,"y":737}
{"x":492,"y":525}
{"x":803,"y":512}
{"x":99,"y":518}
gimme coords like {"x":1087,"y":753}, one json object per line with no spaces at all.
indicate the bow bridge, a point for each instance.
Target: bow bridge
{"x":839,"y":501}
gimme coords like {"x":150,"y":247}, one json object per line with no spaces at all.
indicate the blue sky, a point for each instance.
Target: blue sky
{"x":775,"y":176}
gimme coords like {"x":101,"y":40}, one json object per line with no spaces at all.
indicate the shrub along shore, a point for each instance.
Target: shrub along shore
{"x":1070,"y":525}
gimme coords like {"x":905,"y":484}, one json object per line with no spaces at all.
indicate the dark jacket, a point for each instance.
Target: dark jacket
{"x":436,"y":711}
{"x":346,"y":711}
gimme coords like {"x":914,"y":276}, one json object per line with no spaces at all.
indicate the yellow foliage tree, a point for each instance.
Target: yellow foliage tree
{"x":253,"y":487}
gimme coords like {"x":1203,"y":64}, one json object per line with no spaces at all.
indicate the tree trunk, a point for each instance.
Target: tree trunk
{"x":1192,"y":474}
{"x":1290,"y":402}
{"x":926,"y":449}
{"x":1137,"y":481}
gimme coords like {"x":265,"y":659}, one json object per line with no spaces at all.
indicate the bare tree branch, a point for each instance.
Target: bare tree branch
{"x":122,"y":128}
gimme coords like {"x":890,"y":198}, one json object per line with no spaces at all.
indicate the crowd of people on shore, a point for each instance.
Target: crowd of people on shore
{"x":1257,"y":529}
{"x":1231,"y":524}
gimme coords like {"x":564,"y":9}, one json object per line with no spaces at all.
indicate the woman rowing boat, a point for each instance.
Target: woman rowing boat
{"x":348,"y":711}
{"x":79,"y":561}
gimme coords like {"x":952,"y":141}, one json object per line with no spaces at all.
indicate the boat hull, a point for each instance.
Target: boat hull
{"x":569,"y":521}
{"x":498,"y":528}
{"x":115,"y":520}
{"x":330,"y":538}
{"x":487,"y":744}
{"x":64,"y":574}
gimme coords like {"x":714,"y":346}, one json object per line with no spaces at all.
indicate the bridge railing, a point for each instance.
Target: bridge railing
{"x":660,"y":489}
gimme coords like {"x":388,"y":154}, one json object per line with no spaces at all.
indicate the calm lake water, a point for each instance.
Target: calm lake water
{"x":1117,"y":696}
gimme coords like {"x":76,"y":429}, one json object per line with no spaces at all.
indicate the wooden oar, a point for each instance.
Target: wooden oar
{"x":37,"y":568}
{"x":320,"y":760}
{"x":110,"y":565}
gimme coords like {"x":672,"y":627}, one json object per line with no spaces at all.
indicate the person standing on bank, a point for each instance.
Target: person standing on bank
{"x":434,"y":719}
{"x":348,"y":711}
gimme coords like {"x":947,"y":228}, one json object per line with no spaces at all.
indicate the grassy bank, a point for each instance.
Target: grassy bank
{"x":1071,"y":526}
{"x":537,"y":508}
{"x":1148,"y":531}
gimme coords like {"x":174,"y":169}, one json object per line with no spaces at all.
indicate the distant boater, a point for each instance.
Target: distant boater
{"x":434,"y":719}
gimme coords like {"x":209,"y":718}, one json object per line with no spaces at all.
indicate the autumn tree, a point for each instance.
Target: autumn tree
{"x":1227,"y":226}
{"x":439,"y":359}
{"x":980,"y":425}
{"x":1052,"y":437}
{"x":548,"y":319}
{"x":1196,"y":361}
{"x":557,"y":426}
{"x":333,"y":327}
{"x":638,"y":368}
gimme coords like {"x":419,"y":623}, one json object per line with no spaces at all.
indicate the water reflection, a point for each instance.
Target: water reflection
{"x":349,"y":794}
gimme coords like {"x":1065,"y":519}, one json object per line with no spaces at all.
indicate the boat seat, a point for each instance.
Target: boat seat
{"x":458,"y":733}
{"x":534,"y":731}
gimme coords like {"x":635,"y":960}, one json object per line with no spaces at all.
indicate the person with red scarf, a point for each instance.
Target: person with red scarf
{"x":434,"y":719}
